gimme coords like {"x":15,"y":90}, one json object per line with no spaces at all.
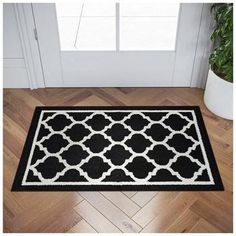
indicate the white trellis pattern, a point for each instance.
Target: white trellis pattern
{"x":100,"y":181}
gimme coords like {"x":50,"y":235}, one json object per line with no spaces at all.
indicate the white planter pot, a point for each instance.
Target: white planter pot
{"x":218,"y":96}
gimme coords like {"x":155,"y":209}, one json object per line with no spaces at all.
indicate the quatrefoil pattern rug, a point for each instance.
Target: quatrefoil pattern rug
{"x":117,"y":148}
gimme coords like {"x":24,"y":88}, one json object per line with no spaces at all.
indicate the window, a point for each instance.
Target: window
{"x":86,"y":26}
{"x":121,"y":26}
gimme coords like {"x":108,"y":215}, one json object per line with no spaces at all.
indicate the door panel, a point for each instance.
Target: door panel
{"x":186,"y":43}
{"x":49,"y":46}
{"x":115,"y":68}
{"x":108,"y":69}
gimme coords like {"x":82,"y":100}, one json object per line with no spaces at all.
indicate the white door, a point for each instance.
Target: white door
{"x":108,"y":44}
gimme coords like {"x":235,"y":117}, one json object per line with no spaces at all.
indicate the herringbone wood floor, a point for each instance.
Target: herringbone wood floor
{"x":113,"y":211}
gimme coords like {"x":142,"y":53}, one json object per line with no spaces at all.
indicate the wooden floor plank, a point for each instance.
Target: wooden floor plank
{"x":82,"y":227}
{"x":141,"y":198}
{"x":155,"y":206}
{"x":42,"y":211}
{"x":61,"y":223}
{"x":99,"y":222}
{"x":122,"y":202}
{"x":222,"y":206}
{"x":203,"y":226}
{"x":172,"y":211}
{"x":212,"y":215}
{"x":129,"y":193}
{"x":113,"y":213}
{"x":183,"y":223}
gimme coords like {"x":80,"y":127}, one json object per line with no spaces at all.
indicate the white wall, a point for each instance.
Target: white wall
{"x":14,"y":69}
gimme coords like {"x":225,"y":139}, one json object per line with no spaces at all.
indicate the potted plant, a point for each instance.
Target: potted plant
{"x":218,"y":95}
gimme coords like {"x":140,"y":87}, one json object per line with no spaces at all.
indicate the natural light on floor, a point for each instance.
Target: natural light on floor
{"x":112,"y":27}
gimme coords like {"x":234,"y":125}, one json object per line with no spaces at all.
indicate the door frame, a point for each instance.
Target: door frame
{"x":29,"y":43}
{"x":50,"y":77}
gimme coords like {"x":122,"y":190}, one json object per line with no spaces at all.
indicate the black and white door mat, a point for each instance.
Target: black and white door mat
{"x":117,"y":148}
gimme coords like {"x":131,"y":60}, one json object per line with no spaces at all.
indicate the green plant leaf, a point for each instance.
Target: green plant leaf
{"x":221,"y":58}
